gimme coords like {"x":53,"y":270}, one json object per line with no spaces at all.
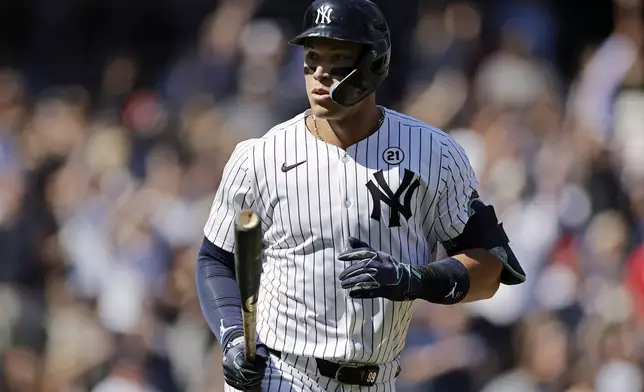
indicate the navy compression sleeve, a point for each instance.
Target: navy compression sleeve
{"x":218,"y":291}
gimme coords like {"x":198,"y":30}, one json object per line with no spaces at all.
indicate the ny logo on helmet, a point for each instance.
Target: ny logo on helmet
{"x":324,"y":15}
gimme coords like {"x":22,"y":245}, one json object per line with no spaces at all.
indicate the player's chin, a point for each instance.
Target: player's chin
{"x":326,"y":109}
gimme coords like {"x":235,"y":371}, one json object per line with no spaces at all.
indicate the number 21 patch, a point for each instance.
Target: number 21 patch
{"x":393,"y":155}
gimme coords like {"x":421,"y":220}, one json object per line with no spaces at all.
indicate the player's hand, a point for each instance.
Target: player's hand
{"x":239,"y":372}
{"x":376,"y":274}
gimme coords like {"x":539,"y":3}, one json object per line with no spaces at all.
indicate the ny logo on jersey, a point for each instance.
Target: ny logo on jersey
{"x":407,"y":187}
{"x":324,"y":15}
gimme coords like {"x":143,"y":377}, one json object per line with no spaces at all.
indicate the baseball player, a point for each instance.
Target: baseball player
{"x":353,"y":199}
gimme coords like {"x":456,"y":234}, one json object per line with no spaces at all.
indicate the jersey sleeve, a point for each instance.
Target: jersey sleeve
{"x":459,"y":187}
{"x":235,"y":193}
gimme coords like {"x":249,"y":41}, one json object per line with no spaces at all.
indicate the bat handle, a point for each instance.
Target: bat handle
{"x":250,"y":335}
{"x":249,"y":349}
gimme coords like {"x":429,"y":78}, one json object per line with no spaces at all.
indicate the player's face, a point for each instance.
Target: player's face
{"x":327,"y":62}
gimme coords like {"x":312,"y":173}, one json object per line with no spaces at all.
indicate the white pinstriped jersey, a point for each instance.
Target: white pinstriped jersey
{"x":401,"y":190}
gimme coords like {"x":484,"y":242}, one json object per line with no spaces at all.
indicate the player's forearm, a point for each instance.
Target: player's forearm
{"x":471,"y":275}
{"x":218,"y":291}
{"x":484,"y":271}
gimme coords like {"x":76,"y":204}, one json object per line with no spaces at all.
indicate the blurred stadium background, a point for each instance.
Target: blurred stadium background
{"x":116,"y":117}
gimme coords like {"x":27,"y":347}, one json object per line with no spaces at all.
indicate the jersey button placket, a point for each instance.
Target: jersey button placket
{"x":351,"y":320}
{"x":345,"y":159}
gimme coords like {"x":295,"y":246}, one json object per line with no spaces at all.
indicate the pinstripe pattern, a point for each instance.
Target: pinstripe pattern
{"x":309,"y":212}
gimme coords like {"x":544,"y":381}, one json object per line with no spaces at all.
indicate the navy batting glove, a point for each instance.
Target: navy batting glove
{"x":239,"y":372}
{"x":376,"y":274}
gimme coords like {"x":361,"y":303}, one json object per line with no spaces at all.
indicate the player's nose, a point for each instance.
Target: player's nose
{"x":320,"y":74}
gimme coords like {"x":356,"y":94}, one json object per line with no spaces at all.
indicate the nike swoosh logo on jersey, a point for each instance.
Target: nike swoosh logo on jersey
{"x":287,"y":168}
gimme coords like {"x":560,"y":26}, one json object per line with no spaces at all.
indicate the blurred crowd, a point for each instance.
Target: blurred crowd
{"x":104,"y":192}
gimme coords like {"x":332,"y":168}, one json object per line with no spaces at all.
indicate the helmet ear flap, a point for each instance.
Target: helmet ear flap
{"x":361,"y":82}
{"x":370,"y":71}
{"x":380,"y":64}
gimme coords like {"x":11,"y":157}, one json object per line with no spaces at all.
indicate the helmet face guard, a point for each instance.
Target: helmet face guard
{"x":357,"y":21}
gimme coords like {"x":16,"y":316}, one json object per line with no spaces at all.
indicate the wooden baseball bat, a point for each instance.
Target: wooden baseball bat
{"x":248,"y":268}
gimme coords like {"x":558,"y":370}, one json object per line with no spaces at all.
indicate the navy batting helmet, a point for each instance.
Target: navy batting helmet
{"x":358,"y":21}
